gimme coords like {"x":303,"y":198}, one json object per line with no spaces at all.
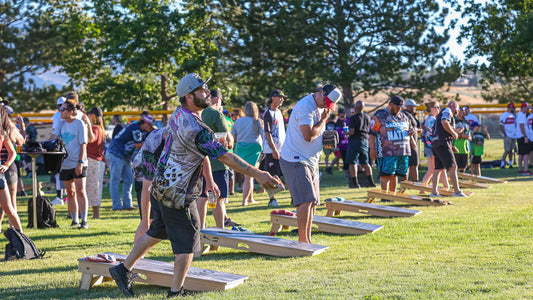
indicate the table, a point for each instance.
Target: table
{"x":33,"y":156}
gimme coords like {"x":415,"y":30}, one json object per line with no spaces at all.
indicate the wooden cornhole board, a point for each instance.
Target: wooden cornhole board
{"x":325,"y":224}
{"x":158,"y":273}
{"x":410,"y":185}
{"x":259,"y":243}
{"x":335,"y":207}
{"x":474,"y":185}
{"x":373,"y":194}
{"x":479,"y":178}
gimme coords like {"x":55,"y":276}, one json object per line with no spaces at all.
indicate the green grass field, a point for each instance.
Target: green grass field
{"x":479,"y":248}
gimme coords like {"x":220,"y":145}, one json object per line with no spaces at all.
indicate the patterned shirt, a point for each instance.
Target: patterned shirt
{"x":145,"y":162}
{"x":441,"y":137}
{"x":123,"y":144}
{"x":392,"y":133}
{"x":178,"y":180}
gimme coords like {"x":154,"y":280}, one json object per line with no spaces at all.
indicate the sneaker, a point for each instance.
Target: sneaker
{"x":273,"y":203}
{"x":123,"y":278}
{"x":528,"y":173}
{"x":435,"y":195}
{"x":502,"y":165}
{"x":510,"y":166}
{"x":58,"y":201}
{"x":74,"y":224}
{"x":230,"y":223}
{"x":83,"y":225}
{"x":520,"y":173}
{"x":460,"y":194}
{"x":180,"y":293}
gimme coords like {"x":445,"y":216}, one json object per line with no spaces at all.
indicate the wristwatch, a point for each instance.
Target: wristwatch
{"x":80,"y":161}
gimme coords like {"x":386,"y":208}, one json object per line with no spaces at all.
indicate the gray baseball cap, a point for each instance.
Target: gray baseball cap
{"x":189,"y":83}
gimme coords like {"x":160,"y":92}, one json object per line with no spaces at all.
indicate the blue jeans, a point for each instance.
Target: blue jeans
{"x":120,"y":169}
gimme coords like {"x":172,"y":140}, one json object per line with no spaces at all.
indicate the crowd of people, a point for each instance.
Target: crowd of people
{"x":206,"y":152}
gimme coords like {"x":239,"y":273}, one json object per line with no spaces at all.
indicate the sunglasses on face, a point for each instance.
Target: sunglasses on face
{"x":202,"y":88}
{"x":63,"y":109}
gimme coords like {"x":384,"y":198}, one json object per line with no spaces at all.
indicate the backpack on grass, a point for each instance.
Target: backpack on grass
{"x":46,"y":213}
{"x":21,"y":246}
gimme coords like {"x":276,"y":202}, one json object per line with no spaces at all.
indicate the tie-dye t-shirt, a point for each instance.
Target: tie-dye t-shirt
{"x":392,"y":133}
{"x":178,"y":180}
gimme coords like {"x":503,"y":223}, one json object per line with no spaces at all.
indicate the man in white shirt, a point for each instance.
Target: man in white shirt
{"x":301,"y":153}
{"x":508,"y":129}
{"x":273,"y":136}
{"x":524,"y":144}
{"x":469,"y":116}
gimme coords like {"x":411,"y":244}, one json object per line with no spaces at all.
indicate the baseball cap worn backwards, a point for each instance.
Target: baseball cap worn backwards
{"x":277,"y":93}
{"x":332,"y":95}
{"x":148,"y":119}
{"x":189,"y":83}
{"x":524,"y":105}
{"x":397,"y":100}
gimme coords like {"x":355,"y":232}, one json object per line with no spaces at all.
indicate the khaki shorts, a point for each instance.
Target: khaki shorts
{"x":509,"y":144}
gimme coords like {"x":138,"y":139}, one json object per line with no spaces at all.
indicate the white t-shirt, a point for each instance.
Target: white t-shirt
{"x":296,"y":148}
{"x":471,"y":119}
{"x":273,"y":120}
{"x":529,"y":128}
{"x":508,"y":120}
{"x":520,"y":119}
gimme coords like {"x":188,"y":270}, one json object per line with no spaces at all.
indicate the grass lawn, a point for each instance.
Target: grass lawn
{"x":479,"y":248}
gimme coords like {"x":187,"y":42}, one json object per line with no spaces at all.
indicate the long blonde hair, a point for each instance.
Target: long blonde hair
{"x":251,"y":110}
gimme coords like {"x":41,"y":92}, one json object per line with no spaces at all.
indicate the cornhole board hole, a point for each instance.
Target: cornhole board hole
{"x":410,"y":185}
{"x":417,"y":200}
{"x":473,"y":185}
{"x":335,"y":208}
{"x":259,"y":243}
{"x":158,"y":273}
{"x":479,"y":178}
{"x":324,"y":224}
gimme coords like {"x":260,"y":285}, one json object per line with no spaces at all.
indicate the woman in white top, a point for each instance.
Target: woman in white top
{"x":248,"y":132}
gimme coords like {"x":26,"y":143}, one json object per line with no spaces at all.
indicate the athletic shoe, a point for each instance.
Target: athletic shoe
{"x":230,"y":223}
{"x":273,"y":203}
{"x":520,"y":173}
{"x":83,"y":225}
{"x":502,"y":165}
{"x":74,"y":224}
{"x":510,"y":166}
{"x":460,"y":194}
{"x":58,"y":201}
{"x":434,"y":195}
{"x":180,"y":293}
{"x":528,"y":173}
{"x":123,"y":278}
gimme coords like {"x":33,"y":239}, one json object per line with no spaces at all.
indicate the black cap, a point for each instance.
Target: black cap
{"x":341,"y":110}
{"x":397,"y":100}
{"x":3,"y":101}
{"x":97,"y":111}
{"x":277,"y":93}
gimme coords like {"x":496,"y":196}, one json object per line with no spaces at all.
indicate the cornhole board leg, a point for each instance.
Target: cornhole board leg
{"x":328,"y":224}
{"x":370,"y":209}
{"x":259,"y":243}
{"x":404,"y":198}
{"x":158,"y":273}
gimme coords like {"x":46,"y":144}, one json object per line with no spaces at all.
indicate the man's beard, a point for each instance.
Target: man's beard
{"x":202,"y":102}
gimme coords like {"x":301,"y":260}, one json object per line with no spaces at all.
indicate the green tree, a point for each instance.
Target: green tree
{"x":30,"y":44}
{"x":363,"y":46}
{"x":501,"y":46}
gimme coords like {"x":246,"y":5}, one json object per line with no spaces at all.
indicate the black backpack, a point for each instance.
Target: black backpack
{"x":46,"y":213}
{"x":330,"y":139}
{"x":21,"y":246}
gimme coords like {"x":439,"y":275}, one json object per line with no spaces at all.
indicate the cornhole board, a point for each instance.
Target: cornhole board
{"x":325,"y":224}
{"x":473,"y":185}
{"x":410,"y":185}
{"x":259,"y":243}
{"x":335,"y":208}
{"x":158,"y":273}
{"x":417,"y":200}
{"x":479,"y":178}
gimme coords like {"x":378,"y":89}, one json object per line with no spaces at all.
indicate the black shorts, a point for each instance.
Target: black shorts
{"x":272,"y":165}
{"x":444,"y":158}
{"x":221,"y":178}
{"x":413,"y":158}
{"x":179,"y":226}
{"x":523,"y":148}
{"x":69,"y":174}
{"x":462,"y":160}
{"x":476,"y":160}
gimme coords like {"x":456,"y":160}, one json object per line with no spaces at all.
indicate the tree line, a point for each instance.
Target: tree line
{"x":130,"y":53}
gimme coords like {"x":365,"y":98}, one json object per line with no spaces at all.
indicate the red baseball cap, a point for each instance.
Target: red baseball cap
{"x":332,"y":95}
{"x":524,"y":105}
{"x":510,"y":105}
